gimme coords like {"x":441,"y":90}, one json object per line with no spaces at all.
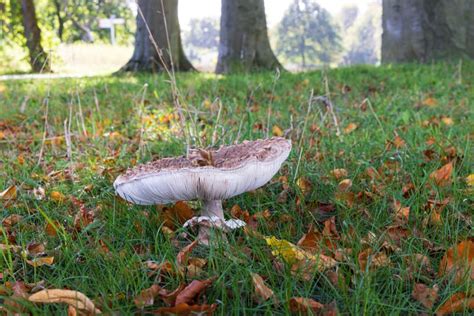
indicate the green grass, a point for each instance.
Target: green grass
{"x":133,"y":234}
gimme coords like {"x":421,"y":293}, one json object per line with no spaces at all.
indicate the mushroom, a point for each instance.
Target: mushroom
{"x":208,"y":175}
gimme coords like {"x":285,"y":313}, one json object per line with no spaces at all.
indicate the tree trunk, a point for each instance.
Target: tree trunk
{"x":165,"y":50}
{"x":424,"y":30}
{"x":38,"y":59}
{"x":243,"y":43}
{"x":57,"y":6}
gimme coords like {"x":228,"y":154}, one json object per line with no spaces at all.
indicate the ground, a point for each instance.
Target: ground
{"x":380,"y":185}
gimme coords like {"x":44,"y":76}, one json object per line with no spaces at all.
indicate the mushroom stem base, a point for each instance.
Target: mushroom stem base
{"x":209,"y":209}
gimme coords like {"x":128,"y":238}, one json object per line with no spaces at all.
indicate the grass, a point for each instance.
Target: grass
{"x":429,"y":107}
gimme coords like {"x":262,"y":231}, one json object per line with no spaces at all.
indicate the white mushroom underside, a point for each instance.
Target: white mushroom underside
{"x":207,"y":183}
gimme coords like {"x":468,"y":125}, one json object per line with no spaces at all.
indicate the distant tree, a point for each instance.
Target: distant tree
{"x":362,"y":38}
{"x":201,"y":39}
{"x":243,"y":40}
{"x":157,"y":38}
{"x":347,"y":16}
{"x":38,"y":58}
{"x":307,"y":35}
{"x":423,"y":30}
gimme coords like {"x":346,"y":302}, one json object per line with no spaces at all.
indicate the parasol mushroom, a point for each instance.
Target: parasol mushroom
{"x":208,"y":175}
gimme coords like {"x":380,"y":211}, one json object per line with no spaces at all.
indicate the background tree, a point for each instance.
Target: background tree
{"x":362,"y":38}
{"x":165,"y":32}
{"x":243,"y":42}
{"x":38,"y":58}
{"x":307,"y":35}
{"x":423,"y":30}
{"x":201,"y":40}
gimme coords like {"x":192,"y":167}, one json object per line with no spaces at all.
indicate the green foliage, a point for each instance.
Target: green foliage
{"x":307,"y":35}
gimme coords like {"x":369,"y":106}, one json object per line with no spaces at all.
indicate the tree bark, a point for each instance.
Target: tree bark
{"x":243,"y":43}
{"x":164,"y":50}
{"x":425,"y":30}
{"x":38,"y":59}
{"x":57,"y":6}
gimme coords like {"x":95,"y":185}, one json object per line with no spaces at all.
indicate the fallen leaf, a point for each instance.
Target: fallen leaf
{"x":9,"y":194}
{"x":366,"y":259}
{"x":458,"y":302}
{"x":73,"y":298}
{"x":430,"y":102}
{"x":344,"y":185}
{"x":311,"y":240}
{"x":459,"y":260}
{"x":11,"y":220}
{"x":182,"y":257}
{"x":147,"y":296}
{"x":40,"y":261}
{"x":51,"y":229}
{"x":304,"y":305}
{"x":339,"y":173}
{"x":470,"y":180}
{"x":447,"y":121}
{"x":350,"y":128}
{"x":177,"y":215}
{"x":192,"y":290}
{"x":185,"y":309}
{"x":424,"y":294}
{"x":442,"y":176}
{"x":262,"y":290}
{"x":57,"y":196}
{"x":277,"y":131}
{"x":304,"y":185}
{"x":398,"y":142}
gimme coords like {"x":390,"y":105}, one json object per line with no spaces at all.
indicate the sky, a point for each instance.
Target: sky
{"x":274,"y":9}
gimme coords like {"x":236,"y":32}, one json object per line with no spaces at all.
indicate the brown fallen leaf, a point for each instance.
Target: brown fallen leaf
{"x":185,"y":309}
{"x":459,"y":260}
{"x":311,"y":241}
{"x":350,"y":128}
{"x":183,"y":255}
{"x":57,"y":196}
{"x":178,"y":214}
{"x":424,"y":294}
{"x":304,"y":305}
{"x":277,"y":131}
{"x":73,"y":298}
{"x":147,"y":296}
{"x":304,"y":185}
{"x":9,"y":194}
{"x":11,"y":220}
{"x":192,"y":290}
{"x":40,"y":261}
{"x":458,"y":302}
{"x":442,"y":176}
{"x":13,"y":303}
{"x":344,"y":185}
{"x":339,"y":173}
{"x":367,"y":259}
{"x":261,"y":289}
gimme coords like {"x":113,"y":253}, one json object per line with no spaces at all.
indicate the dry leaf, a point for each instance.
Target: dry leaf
{"x":277,"y":131}
{"x":470,"y":180}
{"x":398,"y":142}
{"x":178,"y":214}
{"x":11,"y":220}
{"x":339,"y":173}
{"x":447,"y":120}
{"x":350,"y":128}
{"x":57,"y":196}
{"x":442,"y":176}
{"x":304,"y":185}
{"x":40,"y":261}
{"x":367,"y":259}
{"x":458,"y":302}
{"x":182,"y":257}
{"x":344,"y":185}
{"x":147,"y":296}
{"x":192,"y":290}
{"x":185,"y":309}
{"x":262,"y":290}
{"x":458,"y":259}
{"x":73,"y":298}
{"x":304,"y":305}
{"x":430,"y":102}
{"x":9,"y":194}
{"x":425,"y":295}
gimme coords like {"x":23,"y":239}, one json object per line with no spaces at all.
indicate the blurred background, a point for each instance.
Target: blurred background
{"x":87,"y":37}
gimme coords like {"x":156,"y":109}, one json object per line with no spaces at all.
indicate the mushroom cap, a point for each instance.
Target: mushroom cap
{"x":214,"y":174}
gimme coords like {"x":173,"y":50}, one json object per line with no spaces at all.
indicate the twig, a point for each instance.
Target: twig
{"x":269,"y":111}
{"x":330,"y":106}
{"x":45,"y":131}
{"x":300,"y":143}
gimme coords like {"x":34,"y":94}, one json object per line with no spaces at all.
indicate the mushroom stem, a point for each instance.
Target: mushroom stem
{"x":213,"y":208}
{"x":210,"y":208}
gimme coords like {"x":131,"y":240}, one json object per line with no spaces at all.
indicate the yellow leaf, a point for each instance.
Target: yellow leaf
{"x":57,"y":196}
{"x":40,"y":261}
{"x":2,"y":135}
{"x":289,"y":252}
{"x":430,"y":102}
{"x":9,"y":193}
{"x":304,"y":185}
{"x":470,"y":180}
{"x":277,"y":131}
{"x":447,"y":121}
{"x":73,"y":298}
{"x":350,"y":128}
